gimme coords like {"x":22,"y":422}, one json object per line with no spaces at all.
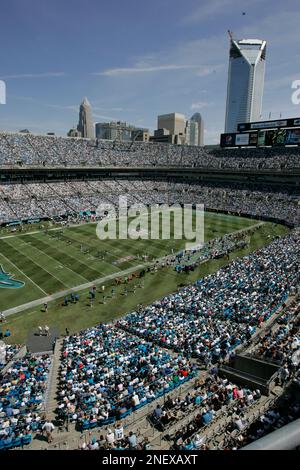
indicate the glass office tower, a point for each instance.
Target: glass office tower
{"x":245,"y":86}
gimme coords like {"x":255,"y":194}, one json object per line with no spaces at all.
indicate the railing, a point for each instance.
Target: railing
{"x":285,"y":438}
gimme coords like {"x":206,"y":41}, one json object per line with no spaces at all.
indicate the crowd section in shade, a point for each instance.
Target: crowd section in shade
{"x":282,"y":344}
{"x":63,"y":199}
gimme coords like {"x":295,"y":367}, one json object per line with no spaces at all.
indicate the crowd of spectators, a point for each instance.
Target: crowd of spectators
{"x":226,"y":416}
{"x":187,"y":260}
{"x":7,"y":352}
{"x":211,"y":400}
{"x":106,"y":374}
{"x":281,"y":344}
{"x":210,"y":318}
{"x":207,"y":398}
{"x":117,"y":438}
{"x":284,"y":411}
{"x":47,"y":200}
{"x":22,"y":394}
{"x":37,"y":150}
{"x":242,"y":425}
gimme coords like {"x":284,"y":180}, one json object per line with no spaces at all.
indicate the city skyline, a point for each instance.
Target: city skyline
{"x":173,"y":61}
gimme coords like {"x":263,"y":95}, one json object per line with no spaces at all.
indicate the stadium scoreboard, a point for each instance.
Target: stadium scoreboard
{"x":264,"y":134}
{"x":233,"y":139}
{"x":250,"y":126}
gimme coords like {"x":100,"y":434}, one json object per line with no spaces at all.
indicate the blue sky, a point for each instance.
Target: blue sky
{"x":136,"y":59}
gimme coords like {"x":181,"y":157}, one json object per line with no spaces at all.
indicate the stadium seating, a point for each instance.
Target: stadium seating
{"x":22,"y":202}
{"x":22,"y":392}
{"x":37,"y":150}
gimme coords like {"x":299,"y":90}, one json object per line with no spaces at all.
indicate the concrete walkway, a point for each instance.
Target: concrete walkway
{"x":51,"y":399}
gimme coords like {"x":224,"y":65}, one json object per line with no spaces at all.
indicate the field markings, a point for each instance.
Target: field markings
{"x":111,"y":265}
{"x":80,"y":260}
{"x":40,"y":266}
{"x":79,"y":288}
{"x":16,"y":235}
{"x":117,"y":249}
{"x":86,"y":234}
{"x":22,"y":272}
{"x":82,"y":287}
{"x":55,"y":261}
{"x":155,"y":245}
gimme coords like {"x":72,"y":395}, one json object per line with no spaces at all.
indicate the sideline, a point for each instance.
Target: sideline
{"x":81,"y":287}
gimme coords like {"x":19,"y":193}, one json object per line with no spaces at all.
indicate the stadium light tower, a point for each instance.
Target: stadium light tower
{"x":245,"y":86}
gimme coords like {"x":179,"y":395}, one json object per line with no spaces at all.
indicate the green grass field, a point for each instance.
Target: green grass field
{"x":52,"y":262}
{"x":48,"y":264}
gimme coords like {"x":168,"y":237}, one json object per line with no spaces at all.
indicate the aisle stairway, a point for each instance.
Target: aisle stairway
{"x":51,"y":400}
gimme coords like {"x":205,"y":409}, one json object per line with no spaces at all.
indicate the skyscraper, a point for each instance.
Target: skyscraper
{"x":121,"y":131}
{"x":173,"y":122}
{"x":191,"y":132}
{"x":199,"y":137}
{"x":245,"y":86}
{"x":85,"y":125}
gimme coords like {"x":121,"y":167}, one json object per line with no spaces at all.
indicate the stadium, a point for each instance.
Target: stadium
{"x":142,"y":344}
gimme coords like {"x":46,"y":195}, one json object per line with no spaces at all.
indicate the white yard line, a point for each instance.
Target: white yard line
{"x":45,"y":229}
{"x":40,"y":266}
{"x":22,"y":272}
{"x":55,"y":261}
{"x":82,"y":287}
{"x":82,"y":262}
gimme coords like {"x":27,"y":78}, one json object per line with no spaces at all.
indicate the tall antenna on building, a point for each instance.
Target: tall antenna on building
{"x":230,"y":34}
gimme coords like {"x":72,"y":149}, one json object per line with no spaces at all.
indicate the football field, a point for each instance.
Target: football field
{"x":41,"y":263}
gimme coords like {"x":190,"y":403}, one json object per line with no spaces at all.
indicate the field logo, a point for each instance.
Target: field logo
{"x":296,"y":94}
{"x":2,"y":92}
{"x":156,"y":222}
{"x":7,"y":281}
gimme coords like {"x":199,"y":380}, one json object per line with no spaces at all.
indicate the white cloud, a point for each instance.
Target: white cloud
{"x":116,"y":109}
{"x":35,"y":75}
{"x":137,"y":69}
{"x":199,"y":105}
{"x":67,"y":108}
{"x":211,"y":136}
{"x":49,"y":105}
{"x":106,"y":118}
